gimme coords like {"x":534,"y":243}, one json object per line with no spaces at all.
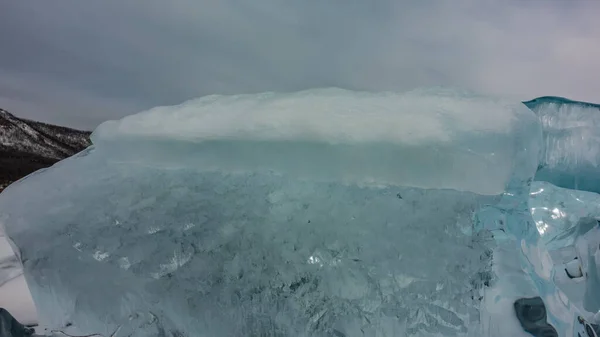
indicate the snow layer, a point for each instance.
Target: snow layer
{"x":16,"y":298}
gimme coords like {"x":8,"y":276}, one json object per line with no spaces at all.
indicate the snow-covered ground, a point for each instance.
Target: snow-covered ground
{"x":14,"y":294}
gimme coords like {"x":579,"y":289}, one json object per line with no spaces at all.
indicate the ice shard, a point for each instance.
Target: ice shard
{"x":571,"y":156}
{"x":319,"y":213}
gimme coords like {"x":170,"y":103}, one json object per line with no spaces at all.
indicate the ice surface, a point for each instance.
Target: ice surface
{"x":572,"y":142}
{"x":320,"y":213}
{"x":278,"y":256}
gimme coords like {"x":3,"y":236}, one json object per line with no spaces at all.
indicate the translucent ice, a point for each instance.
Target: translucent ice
{"x":571,"y":129}
{"x":320,"y":213}
{"x":568,"y":222}
{"x":561,"y":259}
{"x":427,"y":138}
{"x":563,"y":214}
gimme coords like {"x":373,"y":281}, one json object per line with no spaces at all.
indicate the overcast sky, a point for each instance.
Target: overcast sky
{"x":79,"y":63}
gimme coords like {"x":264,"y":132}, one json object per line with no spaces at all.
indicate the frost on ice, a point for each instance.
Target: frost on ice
{"x":318,"y":213}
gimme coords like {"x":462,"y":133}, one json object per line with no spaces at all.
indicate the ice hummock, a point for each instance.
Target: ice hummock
{"x":571,"y":129}
{"x":320,"y":213}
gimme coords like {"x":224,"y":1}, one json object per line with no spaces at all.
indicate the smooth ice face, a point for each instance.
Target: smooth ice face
{"x":571,"y":156}
{"x":248,"y":230}
{"x":428,"y":138}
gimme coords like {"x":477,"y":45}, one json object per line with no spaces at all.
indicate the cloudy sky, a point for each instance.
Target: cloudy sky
{"x":79,"y":63}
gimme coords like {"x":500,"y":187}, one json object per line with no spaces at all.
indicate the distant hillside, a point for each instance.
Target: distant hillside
{"x":27,"y":146}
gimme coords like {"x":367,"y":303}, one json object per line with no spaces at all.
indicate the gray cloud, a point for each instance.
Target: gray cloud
{"x":82,"y":62}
